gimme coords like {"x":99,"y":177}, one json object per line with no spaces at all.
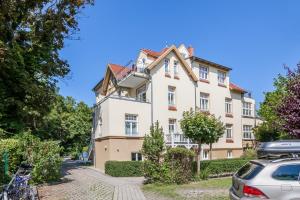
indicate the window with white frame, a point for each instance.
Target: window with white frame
{"x":247,"y":132}
{"x":204,"y":101}
{"x":228,"y":131}
{"x":131,"y":124}
{"x":172,"y":126}
{"x":183,"y":55}
{"x":135,"y":156}
{"x":171,"y":96}
{"x":167,"y":67}
{"x":203,"y":72}
{"x":221,"y":77}
{"x":141,"y":94}
{"x":228,"y":106}
{"x":247,"y":109}
{"x":175,"y":67}
{"x":205,"y":154}
{"x":229,"y":154}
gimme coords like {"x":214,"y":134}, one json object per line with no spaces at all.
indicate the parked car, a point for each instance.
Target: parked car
{"x":277,"y":178}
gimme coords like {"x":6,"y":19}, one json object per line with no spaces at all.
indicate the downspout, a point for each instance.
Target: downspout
{"x":147,"y":71}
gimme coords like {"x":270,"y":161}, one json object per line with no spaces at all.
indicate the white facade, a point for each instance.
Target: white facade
{"x":130,"y":100}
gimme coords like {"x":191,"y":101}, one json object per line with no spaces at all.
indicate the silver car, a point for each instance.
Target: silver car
{"x":265,"y":179}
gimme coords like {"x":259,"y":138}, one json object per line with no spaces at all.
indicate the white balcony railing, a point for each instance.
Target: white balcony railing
{"x":178,"y":139}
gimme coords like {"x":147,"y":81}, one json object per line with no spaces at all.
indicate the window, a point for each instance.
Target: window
{"x":131,"y":124}
{"x":171,"y":96}
{"x":221,"y":77}
{"x":167,"y":69}
{"x":287,"y":173}
{"x":228,"y":106}
{"x":204,"y":101}
{"x":172,"y":126}
{"x":249,"y":171}
{"x":175,"y":67}
{"x":141,"y":67}
{"x":247,"y":111}
{"x":141,"y":94}
{"x":205,"y":154}
{"x":229,"y":154}
{"x":136,"y":156}
{"x":247,"y":132}
{"x":183,"y":55}
{"x":228,"y":131}
{"x":203,"y":72}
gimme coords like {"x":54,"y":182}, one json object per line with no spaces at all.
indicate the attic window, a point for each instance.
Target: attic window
{"x":183,"y":55}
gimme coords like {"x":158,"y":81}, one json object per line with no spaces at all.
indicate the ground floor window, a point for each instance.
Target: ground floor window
{"x":229,"y":154}
{"x":136,"y":156}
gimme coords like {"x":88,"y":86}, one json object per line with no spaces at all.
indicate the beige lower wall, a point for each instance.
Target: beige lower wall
{"x":222,"y":153}
{"x":115,"y":148}
{"x":120,"y":149}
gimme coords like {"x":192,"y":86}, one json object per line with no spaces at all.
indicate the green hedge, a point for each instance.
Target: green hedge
{"x":221,"y":166}
{"x":124,"y":168}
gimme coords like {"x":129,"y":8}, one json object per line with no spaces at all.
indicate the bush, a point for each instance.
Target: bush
{"x":47,"y":162}
{"x":179,"y":161}
{"x":249,"y":154}
{"x":222,"y":166}
{"x":124,"y":168}
{"x":43,"y":156}
{"x":15,"y":156}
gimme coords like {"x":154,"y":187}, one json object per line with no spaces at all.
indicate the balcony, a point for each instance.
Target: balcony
{"x":133,"y":77}
{"x":178,"y":139}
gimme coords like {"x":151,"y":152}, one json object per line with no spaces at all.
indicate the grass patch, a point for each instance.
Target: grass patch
{"x":170,"y":190}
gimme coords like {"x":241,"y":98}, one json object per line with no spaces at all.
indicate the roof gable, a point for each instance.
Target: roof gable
{"x":177,"y":53}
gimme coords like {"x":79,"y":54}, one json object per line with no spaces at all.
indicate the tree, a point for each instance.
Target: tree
{"x":69,"y":122}
{"x":152,"y":150}
{"x":32,"y":33}
{"x":202,"y":128}
{"x":289,"y":109}
{"x":217,"y":129}
{"x":271,"y":129}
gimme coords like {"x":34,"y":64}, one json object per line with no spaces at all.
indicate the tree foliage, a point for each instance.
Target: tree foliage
{"x":68,"y":122}
{"x":202,"y":128}
{"x":32,"y":33}
{"x":271,"y":129}
{"x":289,"y":109}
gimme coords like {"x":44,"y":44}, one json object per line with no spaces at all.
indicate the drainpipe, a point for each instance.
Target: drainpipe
{"x":147,"y":71}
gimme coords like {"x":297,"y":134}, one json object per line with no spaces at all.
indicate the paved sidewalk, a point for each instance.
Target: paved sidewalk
{"x":81,"y":182}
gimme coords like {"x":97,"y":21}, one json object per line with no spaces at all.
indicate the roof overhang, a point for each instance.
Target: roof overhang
{"x":201,"y":60}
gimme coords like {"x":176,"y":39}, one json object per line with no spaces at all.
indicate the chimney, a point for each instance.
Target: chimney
{"x":191,"y":50}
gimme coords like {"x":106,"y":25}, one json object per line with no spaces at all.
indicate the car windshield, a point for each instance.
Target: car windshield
{"x":249,"y":171}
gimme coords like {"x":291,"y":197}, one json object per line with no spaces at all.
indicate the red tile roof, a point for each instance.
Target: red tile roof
{"x":154,"y":54}
{"x":119,"y":71}
{"x":236,"y":88}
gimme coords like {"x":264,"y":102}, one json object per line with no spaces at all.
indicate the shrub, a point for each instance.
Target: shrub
{"x":222,"y":166}
{"x":153,"y":148}
{"x":15,"y":156}
{"x":47,"y":162}
{"x":124,"y":168}
{"x":249,"y":154}
{"x":179,"y":161}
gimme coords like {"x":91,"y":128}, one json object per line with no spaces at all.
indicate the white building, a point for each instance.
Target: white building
{"x":160,"y":87}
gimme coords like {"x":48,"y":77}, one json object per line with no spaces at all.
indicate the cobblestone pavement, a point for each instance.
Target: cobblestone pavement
{"x":81,"y":182}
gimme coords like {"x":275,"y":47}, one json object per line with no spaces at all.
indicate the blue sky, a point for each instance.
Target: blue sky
{"x":255,"y":38}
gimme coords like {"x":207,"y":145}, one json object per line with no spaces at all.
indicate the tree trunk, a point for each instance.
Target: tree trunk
{"x":199,"y":158}
{"x":210,"y":151}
